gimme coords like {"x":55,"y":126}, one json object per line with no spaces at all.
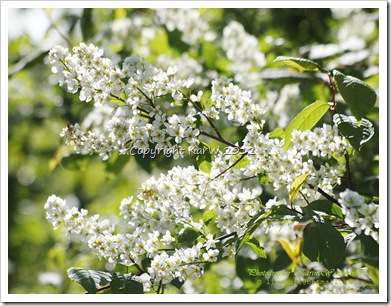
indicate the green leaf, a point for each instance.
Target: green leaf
{"x":255,"y":222}
{"x":207,"y":103}
{"x":305,"y":120}
{"x":359,"y":96}
{"x":326,"y":207}
{"x":243,"y":162}
{"x":146,"y":263}
{"x":372,"y":265}
{"x":257,"y":249}
{"x":116,"y":163}
{"x":124,"y":284}
{"x":177,"y":283}
{"x":30,"y":60}
{"x":296,"y":185}
{"x":357,"y":133}
{"x":87,"y":25}
{"x":90,"y":280}
{"x":252,"y":272}
{"x":371,"y":247}
{"x":202,"y":10}
{"x":263,"y":177}
{"x":300,"y":64}
{"x":209,"y":54}
{"x":208,"y":216}
{"x":204,"y":161}
{"x":323,"y":243}
{"x":277,"y":133}
{"x":188,"y":235}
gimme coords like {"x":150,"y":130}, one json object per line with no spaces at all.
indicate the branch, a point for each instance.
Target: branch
{"x":326,"y":195}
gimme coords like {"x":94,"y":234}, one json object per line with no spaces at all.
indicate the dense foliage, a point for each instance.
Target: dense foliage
{"x":242,"y":157}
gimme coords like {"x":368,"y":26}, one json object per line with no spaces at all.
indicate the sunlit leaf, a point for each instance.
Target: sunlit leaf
{"x":204,"y":161}
{"x":257,"y":249}
{"x":291,"y":249}
{"x":277,"y":133}
{"x":300,"y":64}
{"x":305,"y":120}
{"x":208,"y":216}
{"x":241,"y":161}
{"x":263,"y":177}
{"x":296,"y":185}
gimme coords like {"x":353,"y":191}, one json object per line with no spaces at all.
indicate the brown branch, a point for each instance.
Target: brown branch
{"x":326,"y":195}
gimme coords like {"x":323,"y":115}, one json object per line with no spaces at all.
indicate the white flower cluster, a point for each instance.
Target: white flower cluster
{"x":244,"y":51}
{"x":359,"y":214}
{"x":233,"y":101}
{"x":188,"y":21}
{"x":139,"y":122}
{"x":188,"y":67}
{"x":283,"y":167}
{"x":140,"y":96}
{"x":162,"y":211}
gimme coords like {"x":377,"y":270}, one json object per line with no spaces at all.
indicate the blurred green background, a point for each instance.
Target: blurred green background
{"x":39,"y":109}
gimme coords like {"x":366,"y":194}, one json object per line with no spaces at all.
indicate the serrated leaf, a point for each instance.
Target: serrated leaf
{"x":208,"y":216}
{"x":204,"y":161}
{"x":90,"y":280}
{"x":305,"y":120}
{"x":124,"y":284}
{"x":188,"y":235}
{"x":323,"y":243}
{"x":263,"y":177}
{"x":359,"y":96}
{"x":357,"y":133}
{"x":243,"y":162}
{"x":296,"y":185}
{"x":277,"y":133}
{"x":257,"y":249}
{"x":300,"y":64}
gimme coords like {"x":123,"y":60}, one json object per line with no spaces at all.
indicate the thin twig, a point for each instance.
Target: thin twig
{"x":230,"y":167}
{"x":222,"y":140}
{"x":227,"y":236}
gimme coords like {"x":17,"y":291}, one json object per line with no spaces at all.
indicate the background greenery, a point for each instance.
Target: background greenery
{"x":38,"y":110}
